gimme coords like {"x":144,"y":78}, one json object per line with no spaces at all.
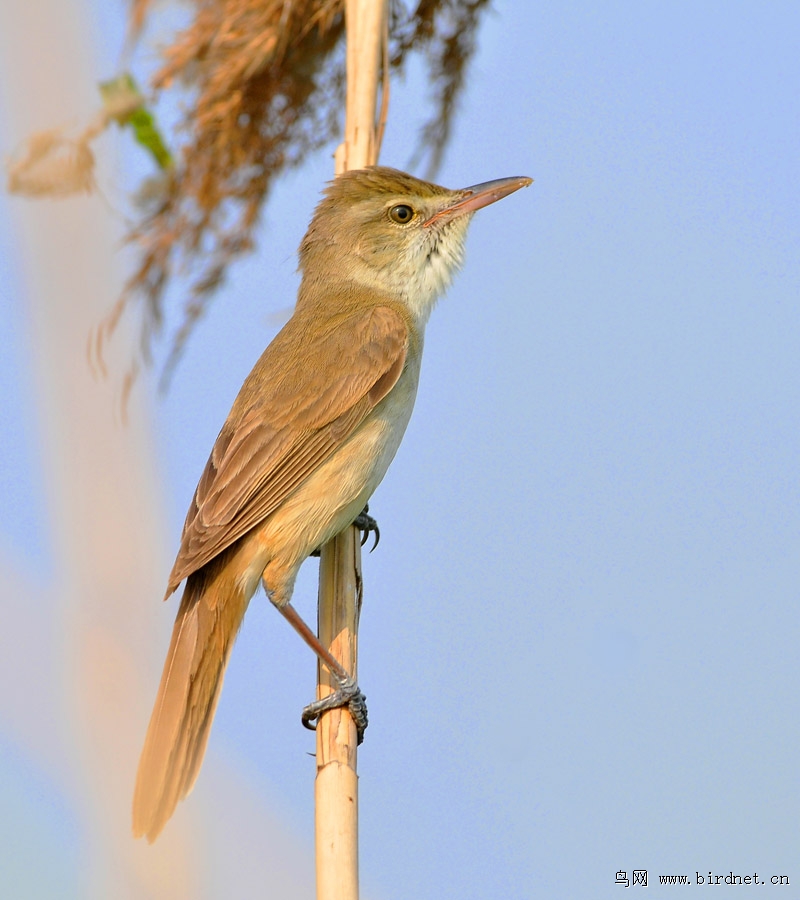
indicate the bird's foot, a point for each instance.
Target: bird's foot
{"x":365,"y":524}
{"x":348,"y":696}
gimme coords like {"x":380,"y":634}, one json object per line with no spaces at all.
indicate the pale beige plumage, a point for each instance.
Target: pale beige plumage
{"x":308,"y":440}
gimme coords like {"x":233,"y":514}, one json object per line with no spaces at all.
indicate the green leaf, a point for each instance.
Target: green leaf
{"x":125,"y":104}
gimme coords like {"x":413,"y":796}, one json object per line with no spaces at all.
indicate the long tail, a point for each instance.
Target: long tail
{"x":208,"y":620}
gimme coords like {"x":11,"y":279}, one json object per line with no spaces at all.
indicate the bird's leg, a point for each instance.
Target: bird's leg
{"x":348,"y":694}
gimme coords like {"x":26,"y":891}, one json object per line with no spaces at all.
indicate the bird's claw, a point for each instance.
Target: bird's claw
{"x":348,"y":696}
{"x":365,"y":524}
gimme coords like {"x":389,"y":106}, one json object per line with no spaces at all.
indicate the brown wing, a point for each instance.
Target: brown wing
{"x":287,"y":419}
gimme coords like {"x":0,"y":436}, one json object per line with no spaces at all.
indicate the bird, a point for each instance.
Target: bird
{"x":310,"y":436}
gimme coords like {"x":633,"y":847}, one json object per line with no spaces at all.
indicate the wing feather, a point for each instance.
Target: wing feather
{"x":287,"y":420}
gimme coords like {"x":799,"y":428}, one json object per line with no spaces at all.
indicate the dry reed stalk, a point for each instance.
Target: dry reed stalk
{"x":336,"y":785}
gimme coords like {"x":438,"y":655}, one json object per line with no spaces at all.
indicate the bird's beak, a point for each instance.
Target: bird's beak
{"x":478,"y":196}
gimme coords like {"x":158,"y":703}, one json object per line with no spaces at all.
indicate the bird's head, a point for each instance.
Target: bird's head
{"x":394,"y":233}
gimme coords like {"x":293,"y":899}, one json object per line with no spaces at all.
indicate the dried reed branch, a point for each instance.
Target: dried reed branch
{"x":263,"y":85}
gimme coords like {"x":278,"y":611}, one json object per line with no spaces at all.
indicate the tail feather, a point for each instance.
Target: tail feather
{"x":207,"y":623}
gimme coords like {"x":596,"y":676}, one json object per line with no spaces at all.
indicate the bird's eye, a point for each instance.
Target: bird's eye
{"x":401,"y":214}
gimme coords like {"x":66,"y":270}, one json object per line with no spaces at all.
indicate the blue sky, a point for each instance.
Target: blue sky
{"x":580,"y":632}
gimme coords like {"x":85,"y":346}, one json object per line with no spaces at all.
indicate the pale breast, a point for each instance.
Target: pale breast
{"x":336,"y":492}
